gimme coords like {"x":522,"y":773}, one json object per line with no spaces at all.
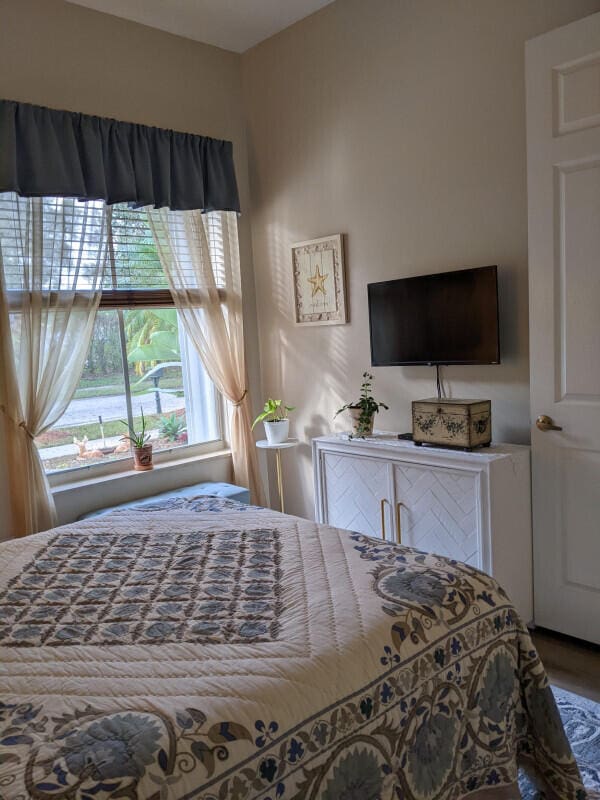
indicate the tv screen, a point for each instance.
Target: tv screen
{"x":447,"y":318}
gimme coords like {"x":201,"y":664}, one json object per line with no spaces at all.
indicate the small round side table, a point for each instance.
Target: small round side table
{"x":278,"y":447}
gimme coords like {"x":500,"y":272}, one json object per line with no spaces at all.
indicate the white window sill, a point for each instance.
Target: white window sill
{"x":59,"y":485}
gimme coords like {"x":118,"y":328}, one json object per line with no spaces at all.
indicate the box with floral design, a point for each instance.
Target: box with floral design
{"x":452,"y":423}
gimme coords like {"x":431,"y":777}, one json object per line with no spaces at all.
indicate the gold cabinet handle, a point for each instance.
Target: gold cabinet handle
{"x":545,"y":423}
{"x":382,"y":503}
{"x":399,"y":522}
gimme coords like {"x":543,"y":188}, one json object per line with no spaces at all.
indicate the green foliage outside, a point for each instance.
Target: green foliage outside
{"x":172,"y":427}
{"x":151,"y":333}
{"x":152,"y":336}
{"x":112,"y":385}
{"x":114,"y":427}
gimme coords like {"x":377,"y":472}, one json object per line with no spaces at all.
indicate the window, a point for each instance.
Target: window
{"x":140,"y":360}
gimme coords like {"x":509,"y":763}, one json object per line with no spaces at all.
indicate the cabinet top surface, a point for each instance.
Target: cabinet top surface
{"x":450,"y":401}
{"x":386,"y":440}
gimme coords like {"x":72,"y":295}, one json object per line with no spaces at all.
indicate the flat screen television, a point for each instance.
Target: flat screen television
{"x":446,"y":318}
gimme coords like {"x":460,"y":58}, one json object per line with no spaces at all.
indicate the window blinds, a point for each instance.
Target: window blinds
{"x":51,"y":244}
{"x":134,"y":261}
{"x":76,"y":234}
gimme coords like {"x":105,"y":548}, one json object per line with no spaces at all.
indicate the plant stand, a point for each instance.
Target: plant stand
{"x":265,"y":445}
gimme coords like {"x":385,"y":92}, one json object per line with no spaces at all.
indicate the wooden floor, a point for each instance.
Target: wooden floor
{"x":570,"y":663}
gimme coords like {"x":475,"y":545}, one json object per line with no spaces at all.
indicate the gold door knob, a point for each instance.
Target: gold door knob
{"x":545,"y":423}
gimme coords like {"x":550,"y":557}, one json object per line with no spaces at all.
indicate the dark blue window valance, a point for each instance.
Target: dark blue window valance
{"x":45,"y":152}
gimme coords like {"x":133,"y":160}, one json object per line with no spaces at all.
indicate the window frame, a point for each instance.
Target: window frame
{"x":144,"y":298}
{"x":97,"y":471}
{"x":62,"y":477}
{"x":119,"y":299}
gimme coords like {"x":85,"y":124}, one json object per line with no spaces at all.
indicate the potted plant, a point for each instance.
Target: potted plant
{"x":275,"y":418}
{"x":362,"y":411}
{"x":142,"y":450}
{"x":172,"y":428}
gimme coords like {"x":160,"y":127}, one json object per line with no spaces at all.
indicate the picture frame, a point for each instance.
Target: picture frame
{"x":319,"y":281}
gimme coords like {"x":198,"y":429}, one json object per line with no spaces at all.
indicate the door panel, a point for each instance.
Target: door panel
{"x":581,"y":549}
{"x":577,"y":95}
{"x":563,"y":164}
{"x":353,"y":491}
{"x":439,"y":511}
{"x":578,"y":288}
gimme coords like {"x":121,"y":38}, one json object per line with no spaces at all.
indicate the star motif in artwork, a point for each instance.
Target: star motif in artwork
{"x":317,"y":281}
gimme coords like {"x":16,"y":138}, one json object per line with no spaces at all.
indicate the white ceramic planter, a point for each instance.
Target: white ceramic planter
{"x":354,"y":414}
{"x":278,"y":431}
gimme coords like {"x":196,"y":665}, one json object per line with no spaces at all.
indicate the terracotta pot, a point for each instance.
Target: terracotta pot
{"x":142,"y":458}
{"x":354,"y":416}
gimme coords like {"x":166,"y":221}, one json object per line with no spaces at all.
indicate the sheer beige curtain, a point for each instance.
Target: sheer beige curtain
{"x":52,"y":257}
{"x":200,"y":256}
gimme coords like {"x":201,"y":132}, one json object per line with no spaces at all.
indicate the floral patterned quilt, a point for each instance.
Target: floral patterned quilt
{"x":215,"y":651}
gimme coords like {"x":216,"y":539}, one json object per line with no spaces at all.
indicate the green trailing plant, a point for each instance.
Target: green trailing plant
{"x":137,"y":439}
{"x":273,"y":411}
{"x":172,"y":427}
{"x":367,"y":404}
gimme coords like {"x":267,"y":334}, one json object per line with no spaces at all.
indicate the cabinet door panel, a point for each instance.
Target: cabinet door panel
{"x":353,"y":490}
{"x":440,"y":511}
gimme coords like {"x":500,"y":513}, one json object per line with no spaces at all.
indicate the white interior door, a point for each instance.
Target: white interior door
{"x":563,"y":151}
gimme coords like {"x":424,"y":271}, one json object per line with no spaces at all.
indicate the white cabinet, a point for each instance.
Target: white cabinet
{"x":474,"y":507}
{"x":438,"y":510}
{"x":357,"y":488}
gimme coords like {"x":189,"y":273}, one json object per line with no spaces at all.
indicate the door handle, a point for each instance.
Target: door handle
{"x":399,"y":522}
{"x":382,"y":503}
{"x":545,"y":423}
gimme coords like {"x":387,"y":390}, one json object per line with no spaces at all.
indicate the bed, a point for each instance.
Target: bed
{"x":208,"y":649}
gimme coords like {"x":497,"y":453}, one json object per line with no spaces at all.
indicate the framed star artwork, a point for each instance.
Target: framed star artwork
{"x":319,"y":288}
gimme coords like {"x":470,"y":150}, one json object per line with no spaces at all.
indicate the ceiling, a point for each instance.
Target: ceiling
{"x":232,"y":24}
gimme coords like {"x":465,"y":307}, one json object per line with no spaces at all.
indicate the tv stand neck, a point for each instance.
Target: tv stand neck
{"x":439,"y":383}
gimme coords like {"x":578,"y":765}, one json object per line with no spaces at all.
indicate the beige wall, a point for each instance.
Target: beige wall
{"x":400,"y":123}
{"x":64,"y":56}
{"x":397,"y":122}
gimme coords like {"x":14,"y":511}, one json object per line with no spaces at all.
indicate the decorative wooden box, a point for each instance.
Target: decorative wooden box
{"x":452,"y":423}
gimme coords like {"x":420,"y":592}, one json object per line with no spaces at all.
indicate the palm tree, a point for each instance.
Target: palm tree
{"x":152,"y":336}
